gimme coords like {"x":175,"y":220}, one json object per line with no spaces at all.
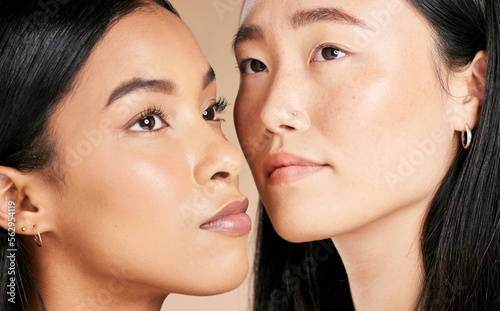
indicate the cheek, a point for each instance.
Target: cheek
{"x":247,"y":123}
{"x":128,"y":201}
{"x":245,"y":103}
{"x":386,"y":130}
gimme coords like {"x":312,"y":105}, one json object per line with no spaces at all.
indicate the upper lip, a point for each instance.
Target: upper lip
{"x":282,"y":159}
{"x":234,"y":207}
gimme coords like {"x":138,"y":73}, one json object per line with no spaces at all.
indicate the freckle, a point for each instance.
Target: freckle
{"x":353,"y":97}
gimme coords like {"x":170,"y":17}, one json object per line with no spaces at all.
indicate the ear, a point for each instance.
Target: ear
{"x":473,"y":81}
{"x":23,"y":202}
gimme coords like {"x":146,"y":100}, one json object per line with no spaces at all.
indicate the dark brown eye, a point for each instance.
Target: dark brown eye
{"x":148,"y":123}
{"x":210,"y":114}
{"x":257,"y":66}
{"x":328,"y":53}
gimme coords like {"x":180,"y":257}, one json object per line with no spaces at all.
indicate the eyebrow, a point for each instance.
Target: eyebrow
{"x":307,"y":17}
{"x":209,"y":78}
{"x":300,"y":19}
{"x":153,"y":85}
{"x":247,"y":33}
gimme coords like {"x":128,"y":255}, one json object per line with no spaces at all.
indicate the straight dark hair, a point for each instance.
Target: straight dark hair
{"x":461,"y":233}
{"x":43,"y":46}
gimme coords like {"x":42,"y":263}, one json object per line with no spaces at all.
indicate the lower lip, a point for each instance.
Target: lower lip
{"x":235,"y":224}
{"x":289,"y":174}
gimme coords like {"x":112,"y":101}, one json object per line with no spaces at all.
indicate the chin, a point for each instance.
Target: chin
{"x":298,"y":217}
{"x":224,"y":279}
{"x":297,"y":231}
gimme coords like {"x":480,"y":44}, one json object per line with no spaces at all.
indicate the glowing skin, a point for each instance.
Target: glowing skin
{"x":348,"y":131}
{"x":122,"y":229}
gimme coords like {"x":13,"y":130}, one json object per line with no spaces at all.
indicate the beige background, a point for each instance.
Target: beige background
{"x":214,"y":23}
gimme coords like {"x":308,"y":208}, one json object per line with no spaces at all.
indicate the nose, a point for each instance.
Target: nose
{"x":218,"y":161}
{"x":284,"y":110}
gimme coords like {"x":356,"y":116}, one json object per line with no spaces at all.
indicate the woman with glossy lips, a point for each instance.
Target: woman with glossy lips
{"x":117,"y":185}
{"x":373,"y":125}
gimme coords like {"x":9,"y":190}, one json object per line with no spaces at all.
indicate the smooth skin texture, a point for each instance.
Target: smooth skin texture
{"x":366,"y":83}
{"x":121,"y":230}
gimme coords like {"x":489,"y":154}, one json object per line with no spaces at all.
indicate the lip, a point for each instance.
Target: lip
{"x":230,"y":219}
{"x":283,"y":167}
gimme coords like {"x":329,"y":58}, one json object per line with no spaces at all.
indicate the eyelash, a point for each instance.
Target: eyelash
{"x":153,"y":111}
{"x":220,"y":106}
{"x":148,"y":112}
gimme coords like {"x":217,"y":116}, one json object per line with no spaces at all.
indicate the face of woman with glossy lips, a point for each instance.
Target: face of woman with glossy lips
{"x":341,"y":113}
{"x":150,"y":188}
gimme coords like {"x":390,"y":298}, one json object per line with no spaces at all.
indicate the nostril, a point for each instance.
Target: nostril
{"x":220,"y":175}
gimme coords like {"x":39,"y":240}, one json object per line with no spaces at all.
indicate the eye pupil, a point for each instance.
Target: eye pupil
{"x":257,"y":66}
{"x":209,"y":114}
{"x":148,"y":123}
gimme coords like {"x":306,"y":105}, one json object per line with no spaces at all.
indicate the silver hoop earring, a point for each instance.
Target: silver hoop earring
{"x":466,"y":137}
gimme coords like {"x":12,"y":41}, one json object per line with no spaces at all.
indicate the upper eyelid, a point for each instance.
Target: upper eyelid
{"x":330,"y":45}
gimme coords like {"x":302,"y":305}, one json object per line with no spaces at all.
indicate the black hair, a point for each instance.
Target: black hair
{"x":43,"y":46}
{"x":461,"y":234}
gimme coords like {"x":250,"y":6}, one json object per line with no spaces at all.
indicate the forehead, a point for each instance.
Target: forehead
{"x":279,"y":20}
{"x":149,"y":43}
{"x":258,"y":11}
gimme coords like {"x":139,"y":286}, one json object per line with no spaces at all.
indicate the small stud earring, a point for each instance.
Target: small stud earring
{"x":295,"y":113}
{"x":24,"y":229}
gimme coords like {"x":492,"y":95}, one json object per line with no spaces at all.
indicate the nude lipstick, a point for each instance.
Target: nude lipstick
{"x":230,"y":219}
{"x":281,"y":168}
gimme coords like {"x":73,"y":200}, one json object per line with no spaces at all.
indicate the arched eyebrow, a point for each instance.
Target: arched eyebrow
{"x":153,"y":85}
{"x":300,"y":19}
{"x":141,"y":84}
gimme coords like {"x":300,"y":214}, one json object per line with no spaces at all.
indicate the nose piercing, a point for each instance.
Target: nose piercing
{"x":295,"y":113}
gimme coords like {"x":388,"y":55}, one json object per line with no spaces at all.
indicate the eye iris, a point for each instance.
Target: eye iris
{"x":209,"y":114}
{"x":148,"y":123}
{"x":257,"y":66}
{"x":330,"y":53}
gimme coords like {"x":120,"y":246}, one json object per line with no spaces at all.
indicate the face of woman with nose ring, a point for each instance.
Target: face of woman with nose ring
{"x":342,"y":118}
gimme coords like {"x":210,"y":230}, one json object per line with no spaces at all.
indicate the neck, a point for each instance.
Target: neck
{"x":64,"y":286}
{"x":383,"y":260}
